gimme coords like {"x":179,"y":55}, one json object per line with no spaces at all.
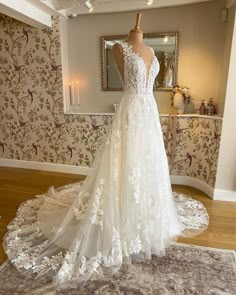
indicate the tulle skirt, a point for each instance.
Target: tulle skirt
{"x":124,"y":210}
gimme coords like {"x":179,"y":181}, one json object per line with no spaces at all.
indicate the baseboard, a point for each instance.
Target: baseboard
{"x":44,"y":166}
{"x":175,"y":179}
{"x":193,"y":182}
{"x":217,"y":194}
{"x":224,"y":195}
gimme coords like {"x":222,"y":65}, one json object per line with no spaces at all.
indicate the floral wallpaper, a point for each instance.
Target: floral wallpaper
{"x":33,"y":126}
{"x":197,"y":147}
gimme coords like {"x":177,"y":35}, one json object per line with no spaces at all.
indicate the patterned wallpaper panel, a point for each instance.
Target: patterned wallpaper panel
{"x":197,"y":147}
{"x":33,"y":126}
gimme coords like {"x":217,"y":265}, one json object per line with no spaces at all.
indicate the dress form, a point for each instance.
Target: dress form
{"x":135,"y":40}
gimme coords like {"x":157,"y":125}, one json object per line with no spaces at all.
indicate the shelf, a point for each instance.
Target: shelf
{"x":161,"y":115}
{"x":194,"y":115}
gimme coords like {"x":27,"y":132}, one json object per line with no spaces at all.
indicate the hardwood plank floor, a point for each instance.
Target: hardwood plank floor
{"x":18,"y":185}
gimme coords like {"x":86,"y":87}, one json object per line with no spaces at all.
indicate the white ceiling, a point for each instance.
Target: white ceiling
{"x":38,"y":12}
{"x":68,"y":7}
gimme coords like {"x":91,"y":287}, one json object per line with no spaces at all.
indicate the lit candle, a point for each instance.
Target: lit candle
{"x":77,"y":82}
{"x":73,"y":92}
{"x":70,"y":94}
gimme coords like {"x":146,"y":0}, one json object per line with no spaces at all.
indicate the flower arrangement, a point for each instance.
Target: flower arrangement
{"x":182,"y":90}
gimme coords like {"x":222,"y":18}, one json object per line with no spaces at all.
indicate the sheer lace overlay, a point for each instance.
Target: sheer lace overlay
{"x":138,"y":77}
{"x":123,"y":210}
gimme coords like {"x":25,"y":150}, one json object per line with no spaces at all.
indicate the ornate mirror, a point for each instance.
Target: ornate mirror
{"x":165,"y":46}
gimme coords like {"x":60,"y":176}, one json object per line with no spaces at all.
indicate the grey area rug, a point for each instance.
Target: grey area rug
{"x":185,"y":269}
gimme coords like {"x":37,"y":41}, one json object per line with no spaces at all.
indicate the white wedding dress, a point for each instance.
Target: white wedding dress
{"x":124,"y":209}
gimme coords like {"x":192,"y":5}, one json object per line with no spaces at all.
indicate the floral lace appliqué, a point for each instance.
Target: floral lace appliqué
{"x":134,"y":179}
{"x":97,"y":211}
{"x":135,"y":246}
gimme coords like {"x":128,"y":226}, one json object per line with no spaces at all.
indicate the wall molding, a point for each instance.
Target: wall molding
{"x":217,"y":194}
{"x":224,"y":195}
{"x":193,"y":182}
{"x":26,"y":12}
{"x":82,"y":170}
{"x":44,"y":166}
{"x":126,"y":5}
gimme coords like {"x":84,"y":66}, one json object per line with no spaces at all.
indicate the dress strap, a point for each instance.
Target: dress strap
{"x":126,"y":50}
{"x":123,"y":45}
{"x":152,"y":50}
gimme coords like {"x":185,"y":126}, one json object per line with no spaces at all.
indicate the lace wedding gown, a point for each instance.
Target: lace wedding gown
{"x":124,"y":209}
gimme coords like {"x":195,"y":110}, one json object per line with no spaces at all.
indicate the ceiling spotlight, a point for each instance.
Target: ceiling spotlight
{"x":149,"y":2}
{"x":88,"y":4}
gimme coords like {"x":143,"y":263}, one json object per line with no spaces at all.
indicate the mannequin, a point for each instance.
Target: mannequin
{"x":135,"y":39}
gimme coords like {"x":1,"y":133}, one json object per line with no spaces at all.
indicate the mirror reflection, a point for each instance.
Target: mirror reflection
{"x":165,"y":46}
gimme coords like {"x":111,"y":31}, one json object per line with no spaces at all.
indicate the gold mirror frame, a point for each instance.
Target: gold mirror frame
{"x":103,"y":40}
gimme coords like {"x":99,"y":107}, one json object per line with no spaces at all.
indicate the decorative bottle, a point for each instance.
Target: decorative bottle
{"x":209,"y":108}
{"x":213,"y":107}
{"x":202,"y":109}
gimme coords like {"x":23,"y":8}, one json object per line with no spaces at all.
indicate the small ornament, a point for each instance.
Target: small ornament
{"x":202,"y":109}
{"x":213,"y":107}
{"x":210,"y":108}
{"x":180,"y":96}
{"x":178,"y":101}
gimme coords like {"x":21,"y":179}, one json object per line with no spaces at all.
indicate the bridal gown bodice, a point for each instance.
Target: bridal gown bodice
{"x":138,"y":76}
{"x":123,"y":210}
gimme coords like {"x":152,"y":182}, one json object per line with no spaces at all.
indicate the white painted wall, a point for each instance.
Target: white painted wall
{"x":202,"y":46}
{"x":226,"y":57}
{"x":226,"y":171}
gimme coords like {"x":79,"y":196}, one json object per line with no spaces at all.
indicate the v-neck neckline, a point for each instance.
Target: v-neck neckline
{"x":147,"y":72}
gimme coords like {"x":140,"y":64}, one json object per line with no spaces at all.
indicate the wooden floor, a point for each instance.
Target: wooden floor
{"x":17,"y":185}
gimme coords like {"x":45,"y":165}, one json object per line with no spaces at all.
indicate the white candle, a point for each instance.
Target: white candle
{"x":70,"y":94}
{"x":73,"y":92}
{"x":78,"y":101}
